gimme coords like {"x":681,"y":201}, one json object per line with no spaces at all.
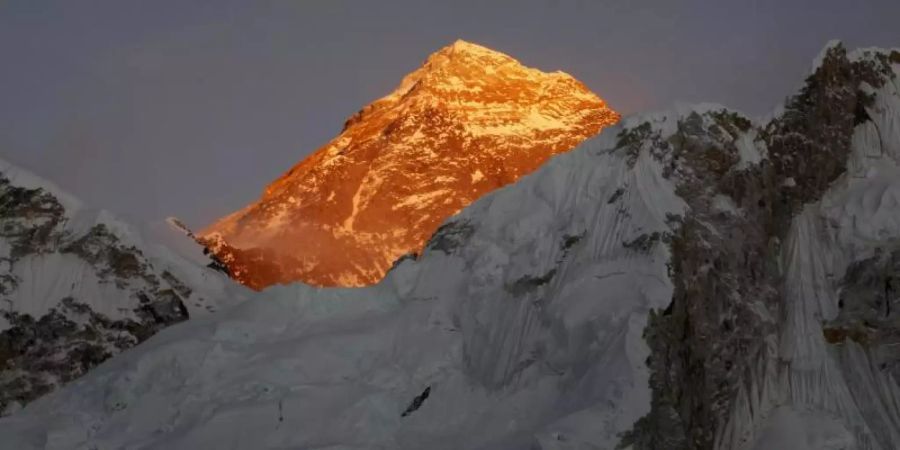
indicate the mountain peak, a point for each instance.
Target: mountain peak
{"x":464,"y":66}
{"x":483,"y":85}
{"x":466,"y":122}
{"x":461,"y":47}
{"x":466,"y":46}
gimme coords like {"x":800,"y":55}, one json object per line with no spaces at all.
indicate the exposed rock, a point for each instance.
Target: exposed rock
{"x":417,"y":402}
{"x":729,"y":296}
{"x":41,"y":350}
{"x":450,"y":236}
{"x":36,"y":356}
{"x":469,"y":121}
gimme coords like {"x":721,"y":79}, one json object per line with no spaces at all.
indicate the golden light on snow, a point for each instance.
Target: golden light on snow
{"x":468,"y":121}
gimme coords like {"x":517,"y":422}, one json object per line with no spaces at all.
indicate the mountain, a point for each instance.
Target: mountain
{"x":78,"y":285}
{"x":469,"y":121}
{"x":690,"y":279}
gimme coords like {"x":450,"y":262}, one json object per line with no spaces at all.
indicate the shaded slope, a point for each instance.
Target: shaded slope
{"x":78,"y":286}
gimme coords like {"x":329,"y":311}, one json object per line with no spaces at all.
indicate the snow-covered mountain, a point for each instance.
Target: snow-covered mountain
{"x":467,"y":122}
{"x":691,"y":279}
{"x":78,"y":285}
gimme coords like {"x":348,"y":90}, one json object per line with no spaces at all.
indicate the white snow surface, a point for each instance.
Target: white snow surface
{"x":169,"y":248}
{"x":44,"y":279}
{"x":23,"y":178}
{"x":523,"y":341}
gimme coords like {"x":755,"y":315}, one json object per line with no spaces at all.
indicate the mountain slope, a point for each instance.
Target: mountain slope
{"x":468,"y":121}
{"x":78,"y":285}
{"x":686,"y":280}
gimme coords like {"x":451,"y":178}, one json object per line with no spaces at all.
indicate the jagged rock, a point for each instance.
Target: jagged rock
{"x":70,"y":296}
{"x":450,"y":236}
{"x":417,"y":402}
{"x":725,"y":267}
{"x":36,"y":356}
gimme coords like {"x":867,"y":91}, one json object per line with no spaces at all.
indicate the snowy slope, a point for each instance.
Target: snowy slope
{"x":472,"y":319}
{"x":78,"y":285}
{"x":688,"y":279}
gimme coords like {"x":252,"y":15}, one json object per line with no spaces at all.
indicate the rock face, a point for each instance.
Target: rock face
{"x":467,"y":122}
{"x":731,"y":270}
{"x":75,"y":289}
{"x":689,"y":279}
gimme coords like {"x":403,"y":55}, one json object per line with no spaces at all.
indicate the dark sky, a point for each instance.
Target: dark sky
{"x":190,"y":108}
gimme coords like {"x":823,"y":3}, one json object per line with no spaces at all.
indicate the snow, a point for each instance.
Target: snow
{"x":368,"y":187}
{"x":420,"y":199}
{"x":802,"y":430}
{"x":511,"y":362}
{"x":816,"y":395}
{"x":460,"y":45}
{"x":750,"y":150}
{"x":44,"y":279}
{"x":525,"y":321}
{"x":23,"y":178}
{"x":170,"y":249}
{"x":411,"y":142}
{"x":725,"y":204}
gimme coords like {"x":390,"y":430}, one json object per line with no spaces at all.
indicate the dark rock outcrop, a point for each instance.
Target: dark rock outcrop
{"x":726,"y":267}
{"x":39,"y":353}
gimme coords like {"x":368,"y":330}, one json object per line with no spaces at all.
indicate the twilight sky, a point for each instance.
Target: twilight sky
{"x":189,"y":108}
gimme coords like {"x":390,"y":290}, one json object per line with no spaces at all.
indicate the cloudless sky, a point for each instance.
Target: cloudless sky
{"x":189,"y":108}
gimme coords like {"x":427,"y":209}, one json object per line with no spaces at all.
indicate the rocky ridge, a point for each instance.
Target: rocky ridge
{"x":75,"y":289}
{"x":722,"y":339}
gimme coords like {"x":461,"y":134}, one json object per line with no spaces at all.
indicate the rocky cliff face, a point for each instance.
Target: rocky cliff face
{"x":75,"y":289}
{"x":690,"y":279}
{"x":468,"y":121}
{"x":733,"y":275}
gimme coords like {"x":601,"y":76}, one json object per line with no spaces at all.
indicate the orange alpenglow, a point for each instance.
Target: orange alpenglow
{"x":469,"y":121}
